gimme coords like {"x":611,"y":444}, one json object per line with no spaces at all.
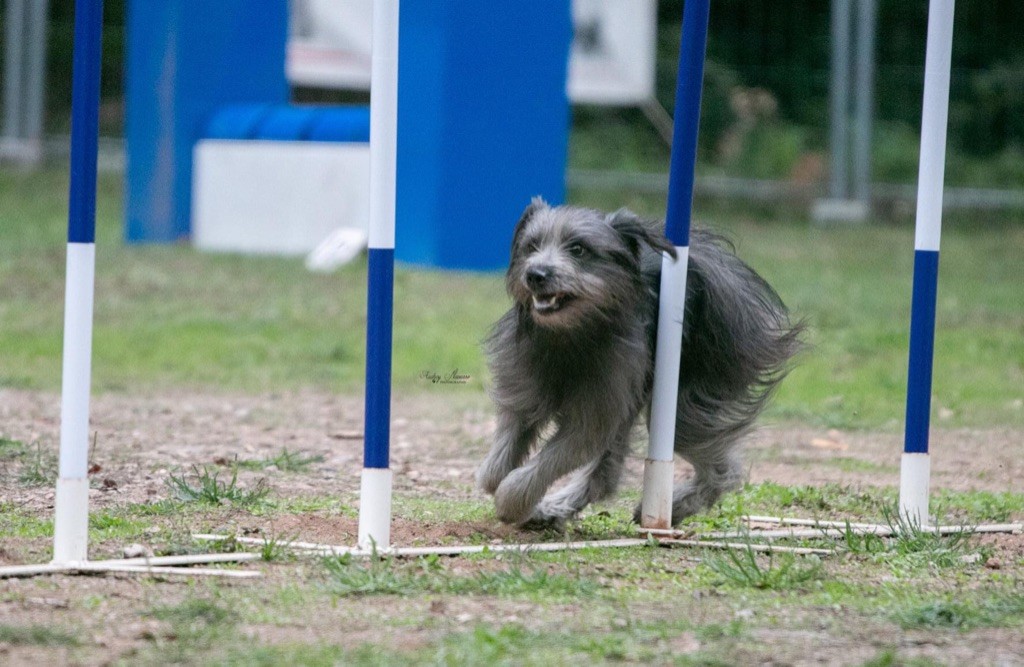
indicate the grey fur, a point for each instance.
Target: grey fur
{"x":576,"y":351}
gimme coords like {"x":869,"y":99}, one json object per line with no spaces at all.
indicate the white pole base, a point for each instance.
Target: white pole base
{"x":656,"y":506}
{"x":915,"y":473}
{"x":375,"y":509}
{"x":71,"y":521}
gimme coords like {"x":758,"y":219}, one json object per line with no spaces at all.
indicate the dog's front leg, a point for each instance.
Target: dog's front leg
{"x":523,"y":489}
{"x":512,"y":442}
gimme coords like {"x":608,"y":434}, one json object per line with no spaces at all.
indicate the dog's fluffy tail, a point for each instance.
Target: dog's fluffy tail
{"x":737,"y":343}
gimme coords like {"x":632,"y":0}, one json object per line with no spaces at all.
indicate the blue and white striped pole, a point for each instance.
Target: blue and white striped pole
{"x":375,"y":487}
{"x":915,"y":465}
{"x":656,"y":507}
{"x":71,"y":506}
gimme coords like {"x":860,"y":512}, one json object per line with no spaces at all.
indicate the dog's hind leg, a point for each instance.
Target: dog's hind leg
{"x":512,"y":441}
{"x":595,"y":481}
{"x":713,"y":476}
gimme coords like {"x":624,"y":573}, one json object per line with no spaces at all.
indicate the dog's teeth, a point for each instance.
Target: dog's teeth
{"x":544,"y":304}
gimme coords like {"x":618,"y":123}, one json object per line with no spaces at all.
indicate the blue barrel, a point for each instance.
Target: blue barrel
{"x":483,"y":123}
{"x":186,"y":59}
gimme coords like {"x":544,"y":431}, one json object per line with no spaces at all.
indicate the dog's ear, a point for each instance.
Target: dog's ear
{"x":634,"y":232}
{"x":536,"y":204}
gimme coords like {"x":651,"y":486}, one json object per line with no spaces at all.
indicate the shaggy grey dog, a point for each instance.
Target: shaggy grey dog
{"x":576,"y":353}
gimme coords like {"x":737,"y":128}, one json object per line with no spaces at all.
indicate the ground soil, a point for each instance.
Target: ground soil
{"x":437,"y":440}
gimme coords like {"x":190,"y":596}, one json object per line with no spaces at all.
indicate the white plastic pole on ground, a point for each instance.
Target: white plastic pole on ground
{"x":375,"y":486}
{"x":915,"y":464}
{"x":71,"y":505}
{"x":656,"y":506}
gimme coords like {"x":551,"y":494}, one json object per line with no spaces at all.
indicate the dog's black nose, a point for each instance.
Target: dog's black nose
{"x":538,"y":276}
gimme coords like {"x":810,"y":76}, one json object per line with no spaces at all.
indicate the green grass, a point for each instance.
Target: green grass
{"x":1000,"y":610}
{"x":170,"y":317}
{"x":204,"y":485}
{"x":12,"y":449}
{"x":35,"y":635}
{"x":348,"y":577}
{"x":745,"y":568}
{"x":38,"y":467}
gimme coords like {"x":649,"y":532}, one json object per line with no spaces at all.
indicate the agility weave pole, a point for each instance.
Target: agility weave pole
{"x":375,"y":485}
{"x":71,"y":504}
{"x":915,"y":465}
{"x":656,"y":505}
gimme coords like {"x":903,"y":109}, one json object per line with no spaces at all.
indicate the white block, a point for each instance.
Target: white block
{"x":277,"y":197}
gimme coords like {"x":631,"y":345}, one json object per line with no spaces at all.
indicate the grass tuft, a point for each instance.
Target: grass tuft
{"x":744,"y":568}
{"x":11,"y":449}
{"x":209,"y":489}
{"x":39,"y":467}
{"x":913,"y":545}
{"x":374,"y":577}
{"x":274,"y":548}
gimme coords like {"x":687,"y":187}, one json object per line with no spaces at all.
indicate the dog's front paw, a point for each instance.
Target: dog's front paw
{"x":514,"y":499}
{"x":539,"y":521}
{"x":548,"y":517}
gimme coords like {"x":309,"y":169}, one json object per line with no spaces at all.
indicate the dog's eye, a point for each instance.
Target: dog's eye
{"x":577,"y":250}
{"x":532,"y":246}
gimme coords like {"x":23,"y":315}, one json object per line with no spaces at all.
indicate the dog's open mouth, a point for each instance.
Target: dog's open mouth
{"x":550,"y":303}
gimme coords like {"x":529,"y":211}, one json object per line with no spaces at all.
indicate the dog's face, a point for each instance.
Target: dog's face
{"x":574,"y":265}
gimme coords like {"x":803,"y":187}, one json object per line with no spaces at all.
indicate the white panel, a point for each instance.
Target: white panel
{"x":612,"y":60}
{"x":613,"y":56}
{"x":277,"y":197}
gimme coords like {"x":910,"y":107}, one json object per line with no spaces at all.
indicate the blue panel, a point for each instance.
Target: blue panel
{"x":483,"y":124}
{"x":687,"y":121}
{"x":185,"y":60}
{"x":922,"y":344}
{"x":289,"y":123}
{"x":285,"y":123}
{"x":85,"y":105}
{"x":341,"y":124}
{"x":239,"y":121}
{"x":378,"y":357}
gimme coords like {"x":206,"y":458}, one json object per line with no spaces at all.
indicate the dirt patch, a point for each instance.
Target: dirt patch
{"x":436,"y":444}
